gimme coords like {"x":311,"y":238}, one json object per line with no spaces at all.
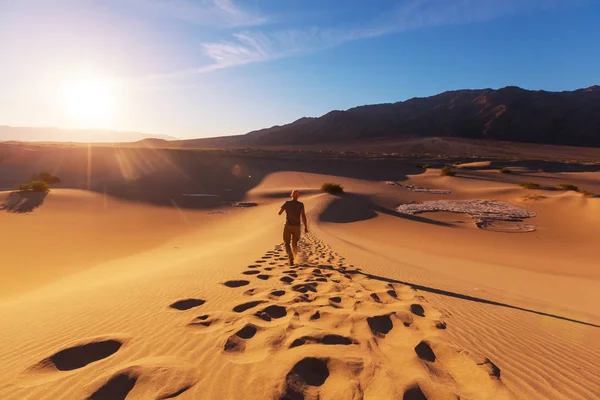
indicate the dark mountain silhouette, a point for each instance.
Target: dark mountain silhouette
{"x":508,"y":114}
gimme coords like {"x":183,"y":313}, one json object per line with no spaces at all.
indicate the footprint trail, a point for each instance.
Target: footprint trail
{"x":343,"y":335}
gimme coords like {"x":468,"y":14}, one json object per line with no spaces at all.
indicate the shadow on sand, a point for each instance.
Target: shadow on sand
{"x":477,"y":299}
{"x":351,"y":207}
{"x":200,"y":179}
{"x":195,"y":179}
{"x":459,"y":295}
{"x":23,"y":202}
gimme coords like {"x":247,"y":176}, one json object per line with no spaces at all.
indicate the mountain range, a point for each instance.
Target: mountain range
{"x":507,"y":114}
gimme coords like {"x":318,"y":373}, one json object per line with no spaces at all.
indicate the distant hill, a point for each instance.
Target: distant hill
{"x":30,"y":134}
{"x":508,"y":114}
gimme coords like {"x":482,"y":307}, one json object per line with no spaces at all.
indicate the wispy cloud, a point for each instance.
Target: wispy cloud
{"x":214,"y":13}
{"x":253,"y":46}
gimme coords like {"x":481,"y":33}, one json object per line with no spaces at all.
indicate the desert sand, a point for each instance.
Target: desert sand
{"x":113,"y":295}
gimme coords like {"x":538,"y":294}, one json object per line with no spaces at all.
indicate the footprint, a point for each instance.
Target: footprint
{"x":414,"y":393}
{"x":165,"y":377}
{"x":328,"y":339}
{"x":236,"y":283}
{"x":417,"y":309}
{"x":424,"y":351}
{"x":305,"y":287}
{"x":251,"y":272}
{"x":272,"y":312}
{"x":287,"y":279}
{"x":116,"y":388}
{"x":309,"y":371}
{"x":375,"y":298}
{"x":380,"y":325}
{"x":247,"y":332}
{"x":236,"y":342}
{"x":202,"y":320}
{"x":79,"y":356}
{"x":277,"y":293}
{"x":246,"y":306}
{"x":264,"y":277}
{"x":187,"y":304}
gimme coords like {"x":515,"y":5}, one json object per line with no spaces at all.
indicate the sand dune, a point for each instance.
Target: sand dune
{"x":138,"y":301}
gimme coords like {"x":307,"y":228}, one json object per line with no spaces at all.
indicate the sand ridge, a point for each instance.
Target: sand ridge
{"x":379,"y":307}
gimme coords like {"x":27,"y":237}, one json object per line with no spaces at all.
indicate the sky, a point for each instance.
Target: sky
{"x":201,"y":68}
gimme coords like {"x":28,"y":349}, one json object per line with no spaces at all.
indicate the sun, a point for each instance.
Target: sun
{"x":90,"y":102}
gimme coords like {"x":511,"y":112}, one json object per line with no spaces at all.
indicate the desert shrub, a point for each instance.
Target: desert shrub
{"x":530,"y":185}
{"x":456,"y":164}
{"x":33,"y":186}
{"x":424,"y":166}
{"x":47,"y":177}
{"x":332,"y":188}
{"x":447,"y":171}
{"x":38,"y":186}
{"x":504,"y":170}
{"x":567,"y":186}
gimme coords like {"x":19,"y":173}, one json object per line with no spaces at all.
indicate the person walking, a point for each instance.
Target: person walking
{"x":294,"y":210}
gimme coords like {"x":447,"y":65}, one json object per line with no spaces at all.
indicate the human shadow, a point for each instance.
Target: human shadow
{"x":464,"y":296}
{"x":455,"y":295}
{"x":352,"y":207}
{"x":23,"y":202}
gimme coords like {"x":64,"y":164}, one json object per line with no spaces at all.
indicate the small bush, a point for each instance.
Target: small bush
{"x":530,"y":185}
{"x":504,"y":170}
{"x":39,"y":186}
{"x":34,"y":186}
{"x":567,"y":186}
{"x":424,"y":166}
{"x":332,"y":188}
{"x":447,"y":171}
{"x":586,"y":193}
{"x":456,"y":164}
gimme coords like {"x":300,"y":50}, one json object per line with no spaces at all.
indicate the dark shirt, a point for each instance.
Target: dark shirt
{"x":293,"y":209}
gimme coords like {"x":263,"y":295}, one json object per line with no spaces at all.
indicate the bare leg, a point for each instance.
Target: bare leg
{"x":295,"y":240}
{"x":287,"y":237}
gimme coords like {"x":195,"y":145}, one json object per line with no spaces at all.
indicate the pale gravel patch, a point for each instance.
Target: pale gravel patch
{"x":487,"y":213}
{"x":420,"y":189}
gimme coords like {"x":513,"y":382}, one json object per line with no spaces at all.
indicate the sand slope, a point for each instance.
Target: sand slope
{"x":377,"y":307}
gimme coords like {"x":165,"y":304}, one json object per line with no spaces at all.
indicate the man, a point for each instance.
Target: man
{"x":291,"y":231}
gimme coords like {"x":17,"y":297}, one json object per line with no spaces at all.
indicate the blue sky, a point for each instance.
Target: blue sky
{"x":196,"y":68}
